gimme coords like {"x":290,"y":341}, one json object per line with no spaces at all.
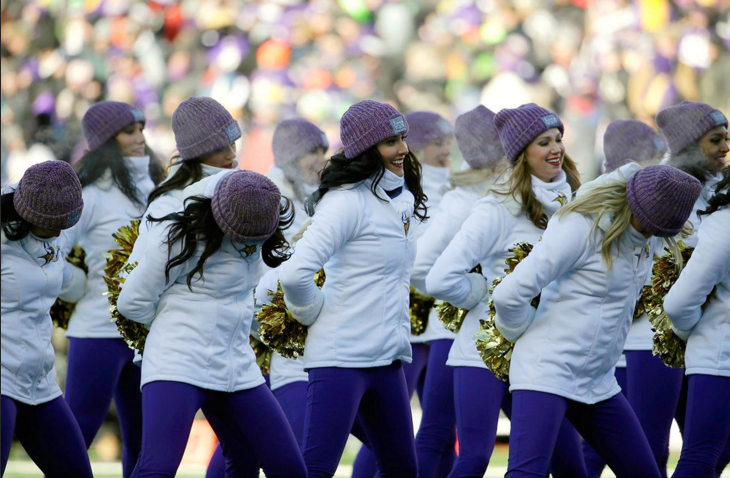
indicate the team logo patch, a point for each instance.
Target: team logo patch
{"x":233,"y":132}
{"x":248,"y":251}
{"x":52,"y":254}
{"x":137,"y":115}
{"x":406,"y":222}
{"x":562,"y":198}
{"x":718,"y":117}
{"x":325,"y":143}
{"x":659,"y":144}
{"x":444,"y":127}
{"x":398,"y":124}
{"x":550,"y":121}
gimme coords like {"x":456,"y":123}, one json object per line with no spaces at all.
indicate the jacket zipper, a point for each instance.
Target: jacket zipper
{"x":43,"y":360}
{"x":233,"y":337}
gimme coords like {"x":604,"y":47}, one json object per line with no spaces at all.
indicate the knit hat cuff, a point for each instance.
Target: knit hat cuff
{"x":218,"y":139}
{"x":396,"y":125}
{"x":61,"y":221}
{"x":544,"y":123}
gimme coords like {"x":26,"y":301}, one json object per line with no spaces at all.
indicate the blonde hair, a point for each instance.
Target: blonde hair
{"x":471,"y":177}
{"x":610,"y":200}
{"x":300,"y":233}
{"x":519,"y":186}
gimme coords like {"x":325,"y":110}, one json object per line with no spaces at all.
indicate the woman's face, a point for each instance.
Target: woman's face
{"x":44,"y":233}
{"x":545,"y":155}
{"x":637,"y":226}
{"x":393,"y":150}
{"x":222,"y":157}
{"x":131,"y":140}
{"x":436,"y":154}
{"x":714,"y":146}
{"x":311,"y":164}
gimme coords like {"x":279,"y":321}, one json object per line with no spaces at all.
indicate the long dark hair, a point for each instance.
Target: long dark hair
{"x":719,"y":199}
{"x":196,"y":224}
{"x":340,"y":170}
{"x":109,"y":156}
{"x":14,"y":226}
{"x":191,"y":171}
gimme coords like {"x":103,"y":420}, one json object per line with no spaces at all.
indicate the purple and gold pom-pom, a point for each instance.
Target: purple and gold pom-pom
{"x":450,"y":316}
{"x":61,"y":310}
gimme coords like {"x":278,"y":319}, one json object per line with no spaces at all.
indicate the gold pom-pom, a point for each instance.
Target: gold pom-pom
{"x":450,"y":316}
{"x":420,"y":308}
{"x":278,"y":328}
{"x":667,"y":346}
{"x":640,"y":308}
{"x":61,"y":310}
{"x":494,"y":349}
{"x":263,"y":354}
{"x":117,"y":268}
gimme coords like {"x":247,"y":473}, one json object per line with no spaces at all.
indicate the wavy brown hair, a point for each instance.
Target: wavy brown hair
{"x":519,"y":185}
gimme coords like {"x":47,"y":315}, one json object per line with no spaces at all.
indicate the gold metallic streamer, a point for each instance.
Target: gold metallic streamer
{"x":450,"y":316}
{"x":278,"y":328}
{"x":61,"y":310}
{"x":494,"y":349}
{"x":420,"y":308}
{"x":117,"y":268}
{"x":263,"y":354}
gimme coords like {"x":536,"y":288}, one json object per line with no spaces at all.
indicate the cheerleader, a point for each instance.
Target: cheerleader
{"x":655,"y":390}
{"x":706,"y":328}
{"x":117,"y":172}
{"x":361,"y":233}
{"x":479,"y":144}
{"x":541,"y":180}
{"x":628,"y":141}
{"x":588,"y":271}
{"x":194,"y":287}
{"x":47,"y":200}
{"x":429,"y":139}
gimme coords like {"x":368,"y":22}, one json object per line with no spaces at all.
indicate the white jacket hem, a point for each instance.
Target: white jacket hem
{"x":204,"y":385}
{"x":715,"y":372}
{"x":341,"y":364}
{"x":465,"y":363}
{"x":562,"y":393}
{"x":283,"y":383}
{"x":35,"y":402}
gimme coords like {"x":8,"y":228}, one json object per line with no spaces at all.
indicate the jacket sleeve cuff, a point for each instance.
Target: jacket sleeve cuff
{"x":477,"y":291}
{"x":682,"y":334}
{"x":75,"y":286}
{"x":512,"y":333}
{"x":307,"y":314}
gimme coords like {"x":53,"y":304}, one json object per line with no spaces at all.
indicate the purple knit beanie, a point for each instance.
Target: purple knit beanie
{"x":201,"y":125}
{"x":246,"y":206}
{"x":630,"y":140}
{"x":294,"y":138}
{"x":687,"y":122}
{"x":105,"y":119}
{"x":425,"y":128}
{"x":367,"y":123}
{"x":519,"y":126}
{"x":477,"y":138}
{"x":49,"y":196}
{"x":661,"y":198}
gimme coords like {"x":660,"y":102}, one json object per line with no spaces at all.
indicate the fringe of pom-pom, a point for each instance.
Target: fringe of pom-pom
{"x":61,"y":310}
{"x":419,"y":310}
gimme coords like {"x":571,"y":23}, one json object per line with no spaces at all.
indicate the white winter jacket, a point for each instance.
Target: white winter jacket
{"x":495,"y":224}
{"x":33,"y":275}
{"x":106,"y":209}
{"x":444,"y":223}
{"x":708,"y":346}
{"x":570,"y":345}
{"x":366,"y":245}
{"x":198,"y":337}
{"x":276,"y":174}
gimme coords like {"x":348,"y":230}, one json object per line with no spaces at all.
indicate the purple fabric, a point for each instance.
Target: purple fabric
{"x":609,"y":426}
{"x":477,"y":138}
{"x":293,"y":400}
{"x":335,"y":397}
{"x":630,"y":140}
{"x":653,"y":394}
{"x":594,"y":463}
{"x":426,"y":127}
{"x":49,"y":434}
{"x":478,"y":397}
{"x":367,"y":123}
{"x":294,"y":138}
{"x":248,"y":419}
{"x":707,"y":426}
{"x":202,"y":125}
{"x":99,"y":369}
{"x":517,"y":127}
{"x":106,"y":119}
{"x":687,"y":123}
{"x":436,"y":437}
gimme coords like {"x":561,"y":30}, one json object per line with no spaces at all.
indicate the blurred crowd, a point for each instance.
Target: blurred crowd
{"x":589,"y":60}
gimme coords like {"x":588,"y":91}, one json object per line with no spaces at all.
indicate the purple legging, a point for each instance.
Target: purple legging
{"x":244,"y":420}
{"x":609,"y":426}
{"x":99,"y":369}
{"x":707,"y":426}
{"x":478,"y":397}
{"x":365,"y":466}
{"x":594,"y":463}
{"x":50,"y":435}
{"x":653,"y":393}
{"x":336,"y":396}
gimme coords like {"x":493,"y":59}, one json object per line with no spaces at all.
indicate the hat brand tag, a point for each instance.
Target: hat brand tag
{"x":398,"y":124}
{"x":325,"y":143}
{"x":550,"y":121}
{"x":137,"y":115}
{"x":718,"y":117}
{"x":232,"y":131}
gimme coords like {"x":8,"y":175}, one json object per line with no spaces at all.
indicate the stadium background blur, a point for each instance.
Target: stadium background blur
{"x":591,"y":61}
